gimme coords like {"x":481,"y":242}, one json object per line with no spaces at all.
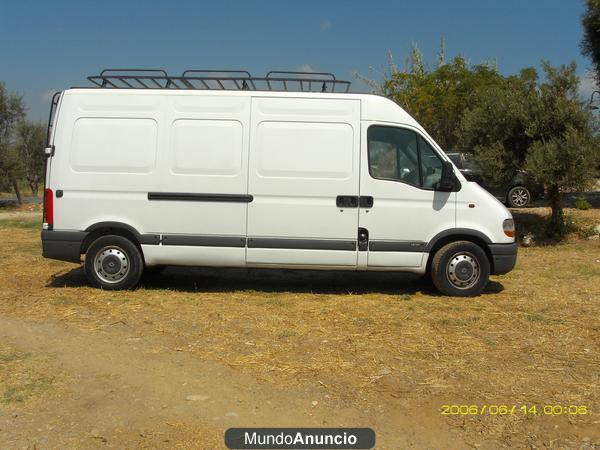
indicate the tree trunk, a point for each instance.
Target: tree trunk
{"x":34,"y":188}
{"x":556,"y":226}
{"x":17,"y":190}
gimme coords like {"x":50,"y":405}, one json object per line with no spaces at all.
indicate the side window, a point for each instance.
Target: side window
{"x":431,"y":165}
{"x":399,"y":154}
{"x":393,"y":154}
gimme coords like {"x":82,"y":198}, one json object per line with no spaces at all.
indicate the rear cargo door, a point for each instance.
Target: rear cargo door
{"x":304,"y":179}
{"x":48,"y":207}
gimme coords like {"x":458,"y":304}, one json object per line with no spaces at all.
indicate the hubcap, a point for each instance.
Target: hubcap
{"x":519,"y":197}
{"x":111,"y":264}
{"x":463,"y":270}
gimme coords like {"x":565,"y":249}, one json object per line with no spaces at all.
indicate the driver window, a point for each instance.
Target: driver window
{"x":398,"y":154}
{"x":393,"y":154}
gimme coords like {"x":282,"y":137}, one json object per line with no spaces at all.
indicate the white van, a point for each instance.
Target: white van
{"x":226,"y":170}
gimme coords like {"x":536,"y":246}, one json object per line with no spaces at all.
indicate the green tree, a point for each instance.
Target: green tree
{"x":590,"y":44}
{"x":12,"y":112}
{"x":540,"y":127}
{"x":31,"y":138}
{"x":438,"y":98}
{"x":497,"y":129}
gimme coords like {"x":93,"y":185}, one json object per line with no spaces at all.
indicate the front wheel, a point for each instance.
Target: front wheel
{"x":519,"y":197}
{"x":113,"y":262}
{"x":460,"y":269}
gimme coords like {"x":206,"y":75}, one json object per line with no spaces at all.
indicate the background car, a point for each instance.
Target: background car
{"x":516,"y":192}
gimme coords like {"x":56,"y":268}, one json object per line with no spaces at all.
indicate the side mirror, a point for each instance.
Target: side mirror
{"x":446,"y":183}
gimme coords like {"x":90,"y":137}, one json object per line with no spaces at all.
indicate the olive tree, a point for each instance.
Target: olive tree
{"x":31,"y":138}
{"x":590,"y":44}
{"x":539,"y":127}
{"x":12,"y":112}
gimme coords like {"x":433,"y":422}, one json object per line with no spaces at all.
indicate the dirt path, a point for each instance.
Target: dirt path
{"x":129,"y":392}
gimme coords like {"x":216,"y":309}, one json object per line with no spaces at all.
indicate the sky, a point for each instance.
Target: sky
{"x":51,"y":45}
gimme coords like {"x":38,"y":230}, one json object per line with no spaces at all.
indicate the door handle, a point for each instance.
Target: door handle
{"x":346,"y":201}
{"x":354,"y":201}
{"x":365,"y":201}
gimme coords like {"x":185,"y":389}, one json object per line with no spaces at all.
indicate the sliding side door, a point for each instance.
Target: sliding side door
{"x":304,"y":179}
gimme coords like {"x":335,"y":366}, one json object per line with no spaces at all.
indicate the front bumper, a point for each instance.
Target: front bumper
{"x":504,"y":257}
{"x":62,"y":245}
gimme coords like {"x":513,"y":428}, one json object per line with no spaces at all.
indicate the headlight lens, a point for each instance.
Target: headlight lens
{"x":509,"y":227}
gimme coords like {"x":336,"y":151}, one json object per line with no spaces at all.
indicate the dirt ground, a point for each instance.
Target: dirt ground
{"x":196,"y":351}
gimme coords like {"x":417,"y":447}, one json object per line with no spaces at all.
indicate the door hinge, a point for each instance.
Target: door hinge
{"x":49,"y":151}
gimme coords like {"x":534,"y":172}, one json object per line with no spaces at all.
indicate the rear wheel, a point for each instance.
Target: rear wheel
{"x":113,"y":262}
{"x":460,"y":269}
{"x":518,"y":197}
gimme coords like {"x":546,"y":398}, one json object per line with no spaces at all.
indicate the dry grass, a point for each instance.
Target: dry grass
{"x":21,"y":378}
{"x":532,"y":338}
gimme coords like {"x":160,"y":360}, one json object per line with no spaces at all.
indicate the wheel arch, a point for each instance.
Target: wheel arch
{"x":120,"y":229}
{"x":458,"y":234}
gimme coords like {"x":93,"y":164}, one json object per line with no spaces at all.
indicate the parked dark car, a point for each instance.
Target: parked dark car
{"x":517,"y":192}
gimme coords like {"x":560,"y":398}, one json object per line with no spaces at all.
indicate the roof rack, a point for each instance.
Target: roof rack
{"x":219,"y":80}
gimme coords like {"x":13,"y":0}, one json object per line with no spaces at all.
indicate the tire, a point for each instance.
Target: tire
{"x":468,"y":258}
{"x":518,"y":197}
{"x":113,"y":262}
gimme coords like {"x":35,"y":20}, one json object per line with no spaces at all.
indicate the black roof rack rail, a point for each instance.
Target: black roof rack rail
{"x":310,"y":77}
{"x":218,"y":76}
{"x":160,"y":71}
{"x":219,"y":80}
{"x":129,"y":78}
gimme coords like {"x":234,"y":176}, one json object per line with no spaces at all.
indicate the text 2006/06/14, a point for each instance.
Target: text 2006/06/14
{"x":504,"y":410}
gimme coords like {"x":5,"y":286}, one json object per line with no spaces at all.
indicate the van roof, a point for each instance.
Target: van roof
{"x":373,"y":107}
{"x":283,"y":84}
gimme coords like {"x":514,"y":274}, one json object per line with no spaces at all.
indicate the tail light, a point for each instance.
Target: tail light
{"x":509,"y":227}
{"x":48,"y":209}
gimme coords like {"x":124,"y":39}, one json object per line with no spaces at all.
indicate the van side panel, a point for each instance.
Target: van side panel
{"x":304,"y":153}
{"x":102,"y":145}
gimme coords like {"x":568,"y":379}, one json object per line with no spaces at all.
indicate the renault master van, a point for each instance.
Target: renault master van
{"x":291,"y":170}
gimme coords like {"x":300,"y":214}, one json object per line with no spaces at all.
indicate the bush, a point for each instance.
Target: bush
{"x":568,"y":227}
{"x":582,"y":203}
